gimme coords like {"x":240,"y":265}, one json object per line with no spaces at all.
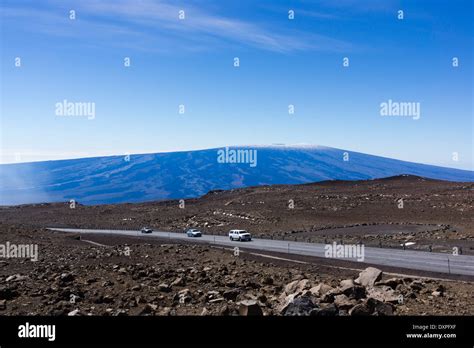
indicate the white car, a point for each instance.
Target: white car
{"x":192,"y":232}
{"x":240,"y":235}
{"x":146,"y":230}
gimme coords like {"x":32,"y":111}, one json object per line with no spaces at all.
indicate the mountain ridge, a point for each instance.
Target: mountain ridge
{"x":188,"y":174}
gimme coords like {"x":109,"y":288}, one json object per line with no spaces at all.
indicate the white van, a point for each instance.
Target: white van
{"x":240,"y":235}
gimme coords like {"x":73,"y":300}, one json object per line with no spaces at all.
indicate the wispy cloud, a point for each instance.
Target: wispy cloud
{"x":157,"y":21}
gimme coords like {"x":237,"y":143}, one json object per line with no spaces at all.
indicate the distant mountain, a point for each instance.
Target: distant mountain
{"x":146,"y":177}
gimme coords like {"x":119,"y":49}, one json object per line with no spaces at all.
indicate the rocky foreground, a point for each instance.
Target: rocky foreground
{"x":111,"y":276}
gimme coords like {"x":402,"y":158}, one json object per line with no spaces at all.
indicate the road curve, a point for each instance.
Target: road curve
{"x":410,"y":259}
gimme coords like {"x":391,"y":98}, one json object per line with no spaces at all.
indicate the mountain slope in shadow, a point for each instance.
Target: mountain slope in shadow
{"x":145,"y":177}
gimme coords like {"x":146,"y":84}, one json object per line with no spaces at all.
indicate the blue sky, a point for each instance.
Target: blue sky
{"x":282,"y":62}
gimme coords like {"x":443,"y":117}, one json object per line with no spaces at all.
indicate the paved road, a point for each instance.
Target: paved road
{"x":415,"y":260}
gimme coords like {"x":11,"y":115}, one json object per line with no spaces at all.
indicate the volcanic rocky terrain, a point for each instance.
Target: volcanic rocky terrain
{"x":111,"y":275}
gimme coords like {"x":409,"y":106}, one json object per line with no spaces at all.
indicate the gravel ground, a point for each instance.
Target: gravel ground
{"x":130,"y":276}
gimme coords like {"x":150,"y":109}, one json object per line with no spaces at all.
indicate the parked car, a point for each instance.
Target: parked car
{"x":240,"y":235}
{"x":192,"y":232}
{"x":146,"y":230}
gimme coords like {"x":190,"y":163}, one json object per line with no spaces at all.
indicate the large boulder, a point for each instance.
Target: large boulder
{"x":351,"y":290}
{"x":383,"y":293}
{"x":369,"y":276}
{"x":299,"y":306}
{"x":346,"y":283}
{"x":292,"y":291}
{"x":285,"y":301}
{"x":343,"y":302}
{"x":297,"y":286}
{"x":329,"y":296}
{"x":320,"y":289}
{"x":379,"y":308}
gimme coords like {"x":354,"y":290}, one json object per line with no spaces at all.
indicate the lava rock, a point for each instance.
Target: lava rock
{"x":360,"y":309}
{"x":249,"y":308}
{"x":326,"y":310}
{"x":379,"y":308}
{"x":369,"y":276}
{"x":300,"y":306}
